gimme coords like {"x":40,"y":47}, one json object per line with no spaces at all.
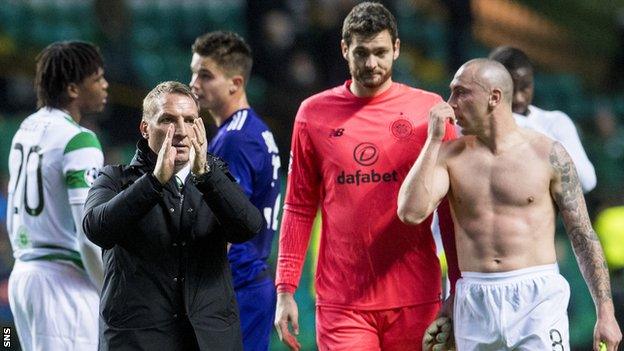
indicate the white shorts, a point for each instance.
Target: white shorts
{"x":524,"y":309}
{"x":54,"y":305}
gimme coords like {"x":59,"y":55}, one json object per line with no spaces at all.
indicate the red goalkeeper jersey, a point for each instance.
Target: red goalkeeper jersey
{"x":350,"y":155}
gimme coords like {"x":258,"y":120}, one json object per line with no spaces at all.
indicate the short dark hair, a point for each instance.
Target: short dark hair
{"x":368,"y":19}
{"x":228,"y":49}
{"x":512,"y":58}
{"x":63,"y":63}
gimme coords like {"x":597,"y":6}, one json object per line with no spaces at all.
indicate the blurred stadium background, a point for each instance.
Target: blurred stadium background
{"x":576,"y":45}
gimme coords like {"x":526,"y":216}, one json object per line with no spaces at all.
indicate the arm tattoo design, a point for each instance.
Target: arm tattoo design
{"x":571,"y":203}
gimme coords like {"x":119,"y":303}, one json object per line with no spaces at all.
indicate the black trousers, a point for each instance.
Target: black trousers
{"x":180,"y":336}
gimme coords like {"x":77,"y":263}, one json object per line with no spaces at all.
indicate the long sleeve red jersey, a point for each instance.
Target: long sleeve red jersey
{"x":351,"y":155}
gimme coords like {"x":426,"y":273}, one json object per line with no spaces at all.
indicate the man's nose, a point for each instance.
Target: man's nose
{"x":180,"y":128}
{"x":451,"y":101}
{"x":193,"y":81}
{"x":371,"y":62}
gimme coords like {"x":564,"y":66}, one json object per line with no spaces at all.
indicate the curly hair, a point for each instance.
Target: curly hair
{"x":63,"y":63}
{"x":368,"y":19}
{"x":229,"y":50}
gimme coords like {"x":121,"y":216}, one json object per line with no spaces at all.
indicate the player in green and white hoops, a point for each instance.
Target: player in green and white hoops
{"x":55,"y":283}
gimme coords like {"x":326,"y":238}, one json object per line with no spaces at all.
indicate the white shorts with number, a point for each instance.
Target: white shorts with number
{"x":54,"y":305}
{"x":525,"y":309}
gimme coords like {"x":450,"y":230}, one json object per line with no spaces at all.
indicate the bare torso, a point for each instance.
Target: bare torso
{"x":502,"y":206}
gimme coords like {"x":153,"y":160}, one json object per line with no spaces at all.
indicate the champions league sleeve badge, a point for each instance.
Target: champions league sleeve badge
{"x":90,"y":175}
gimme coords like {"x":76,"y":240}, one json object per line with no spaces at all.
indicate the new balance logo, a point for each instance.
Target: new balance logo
{"x":336,"y":132}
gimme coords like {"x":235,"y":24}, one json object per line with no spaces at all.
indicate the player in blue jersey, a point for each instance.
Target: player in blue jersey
{"x":221,"y":66}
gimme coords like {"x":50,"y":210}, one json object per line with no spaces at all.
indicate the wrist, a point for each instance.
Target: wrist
{"x":285,"y":288}
{"x":157,"y":178}
{"x":605,"y":309}
{"x":202,"y":170}
{"x":284,"y":294}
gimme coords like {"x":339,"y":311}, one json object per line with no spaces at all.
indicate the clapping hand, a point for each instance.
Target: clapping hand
{"x":200,"y":148}
{"x":165,"y":163}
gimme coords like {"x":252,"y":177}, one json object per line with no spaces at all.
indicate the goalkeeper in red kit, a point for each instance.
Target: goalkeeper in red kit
{"x":377,"y":280}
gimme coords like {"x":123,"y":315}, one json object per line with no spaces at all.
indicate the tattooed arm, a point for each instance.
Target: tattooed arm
{"x":567,"y":194}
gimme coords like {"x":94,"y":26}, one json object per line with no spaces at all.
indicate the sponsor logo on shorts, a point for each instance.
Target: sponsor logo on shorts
{"x":23,"y":240}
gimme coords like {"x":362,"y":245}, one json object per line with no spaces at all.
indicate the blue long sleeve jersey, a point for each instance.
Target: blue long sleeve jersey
{"x":245,"y":142}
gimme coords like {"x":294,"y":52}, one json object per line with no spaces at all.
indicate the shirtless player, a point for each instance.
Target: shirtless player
{"x":505,"y":185}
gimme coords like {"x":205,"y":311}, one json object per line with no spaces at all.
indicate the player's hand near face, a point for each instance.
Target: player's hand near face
{"x":165,"y":163}
{"x":438,"y":115}
{"x":286,"y":313}
{"x":200,"y":148}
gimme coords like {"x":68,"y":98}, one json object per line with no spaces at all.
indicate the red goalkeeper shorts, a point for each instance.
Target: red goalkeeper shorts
{"x":397,"y":329}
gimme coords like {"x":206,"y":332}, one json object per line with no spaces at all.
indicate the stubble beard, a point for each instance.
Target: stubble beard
{"x":374,"y":83}
{"x":203,"y":105}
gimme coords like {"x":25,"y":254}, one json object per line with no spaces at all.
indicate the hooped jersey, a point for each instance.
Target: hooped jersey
{"x":52,"y":163}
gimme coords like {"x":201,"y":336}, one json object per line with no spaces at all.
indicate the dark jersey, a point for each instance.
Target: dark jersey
{"x":245,"y":142}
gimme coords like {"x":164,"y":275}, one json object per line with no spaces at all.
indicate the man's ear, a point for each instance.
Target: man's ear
{"x":496,"y":97}
{"x":73,"y":90}
{"x":397,"y":49}
{"x":143,"y":129}
{"x":345,"y":49}
{"x":237,"y":84}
